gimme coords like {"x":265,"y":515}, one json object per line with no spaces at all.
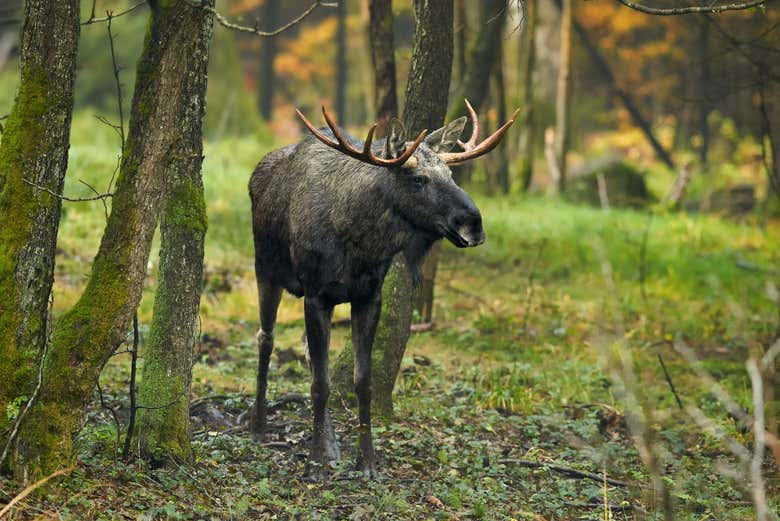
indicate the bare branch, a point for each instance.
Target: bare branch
{"x":69,"y":199}
{"x":92,"y":20}
{"x":712,"y":9}
{"x":224,"y":22}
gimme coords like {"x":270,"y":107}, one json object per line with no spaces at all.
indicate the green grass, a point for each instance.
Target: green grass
{"x":525,"y":327}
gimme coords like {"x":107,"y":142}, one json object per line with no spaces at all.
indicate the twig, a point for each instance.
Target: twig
{"x":110,"y":16}
{"x":224,"y":22}
{"x":117,"y":425}
{"x":714,"y":9}
{"x":93,"y":20}
{"x":31,"y":488}
{"x":28,"y":405}
{"x":566,"y":471}
{"x":65,"y":198}
{"x":133,"y":407}
{"x":668,"y":378}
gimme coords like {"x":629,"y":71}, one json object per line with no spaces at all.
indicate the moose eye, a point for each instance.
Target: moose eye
{"x":420,"y":180}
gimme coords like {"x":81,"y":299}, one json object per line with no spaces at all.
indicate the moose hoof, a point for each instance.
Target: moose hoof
{"x":253,"y":424}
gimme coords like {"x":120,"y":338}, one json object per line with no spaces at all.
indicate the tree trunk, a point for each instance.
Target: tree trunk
{"x":34,"y":149}
{"x":482,"y":59}
{"x":426,"y":106}
{"x":266,"y":82}
{"x":527,"y":138}
{"x":562,"y":108}
{"x":501,"y":163}
{"x":167,"y":109}
{"x":461,"y":36}
{"x":164,"y":395}
{"x":341,"y":62}
{"x":383,"y":58}
{"x":705,"y":81}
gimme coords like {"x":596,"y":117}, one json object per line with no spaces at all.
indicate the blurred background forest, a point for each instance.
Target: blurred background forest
{"x":604,"y":327}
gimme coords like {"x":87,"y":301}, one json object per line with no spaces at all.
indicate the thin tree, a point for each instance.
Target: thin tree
{"x":164,"y":394}
{"x":480,"y":66}
{"x":426,"y":106}
{"x":266,"y":81}
{"x":166,"y":110}
{"x":527,"y":137}
{"x":562,"y":96}
{"x":33,"y":161}
{"x":380,"y":36}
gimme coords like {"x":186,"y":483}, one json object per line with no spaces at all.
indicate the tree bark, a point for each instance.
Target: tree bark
{"x":167,"y":109}
{"x":164,"y":394}
{"x":383,"y":59}
{"x":527,"y":138}
{"x":562,"y":109}
{"x":426,"y":105}
{"x":341,"y":62}
{"x":481,"y":62}
{"x":34,"y":150}
{"x":266,"y":82}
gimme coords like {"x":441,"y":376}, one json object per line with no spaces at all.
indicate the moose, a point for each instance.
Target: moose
{"x":328,"y":216}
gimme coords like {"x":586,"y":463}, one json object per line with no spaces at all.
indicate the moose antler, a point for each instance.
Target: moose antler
{"x":470,"y":148}
{"x":366,"y":155}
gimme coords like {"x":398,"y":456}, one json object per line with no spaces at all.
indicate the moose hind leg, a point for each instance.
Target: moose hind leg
{"x":324,"y":446}
{"x":365,"y":316}
{"x":269,"y":296}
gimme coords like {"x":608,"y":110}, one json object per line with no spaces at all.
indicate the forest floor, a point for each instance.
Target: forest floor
{"x":516,"y":405}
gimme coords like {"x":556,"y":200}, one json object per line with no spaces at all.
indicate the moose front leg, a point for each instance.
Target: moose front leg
{"x":324,"y":447}
{"x":365,"y":316}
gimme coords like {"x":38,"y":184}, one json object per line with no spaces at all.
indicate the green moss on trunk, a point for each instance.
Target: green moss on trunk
{"x":34,"y":150}
{"x":163,"y":429}
{"x":171,"y":72}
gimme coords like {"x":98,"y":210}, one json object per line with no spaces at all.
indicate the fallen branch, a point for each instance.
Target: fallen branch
{"x":31,"y":488}
{"x":566,"y":471}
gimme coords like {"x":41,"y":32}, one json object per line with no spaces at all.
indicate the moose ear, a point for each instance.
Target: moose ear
{"x":395,"y":144}
{"x":447,"y":136}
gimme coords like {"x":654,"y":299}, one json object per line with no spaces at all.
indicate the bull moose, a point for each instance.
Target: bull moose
{"x":328,"y":216}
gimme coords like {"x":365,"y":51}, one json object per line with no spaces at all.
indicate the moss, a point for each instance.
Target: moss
{"x":187,"y":208}
{"x":20,"y":148}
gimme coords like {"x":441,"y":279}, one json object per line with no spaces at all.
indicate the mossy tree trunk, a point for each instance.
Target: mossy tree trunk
{"x":164,"y":395}
{"x":482,"y":58}
{"x":165,"y":107}
{"x":34,"y":149}
{"x":527,"y":138}
{"x":426,"y":106}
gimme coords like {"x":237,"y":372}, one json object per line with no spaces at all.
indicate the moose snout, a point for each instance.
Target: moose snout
{"x":467,"y":224}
